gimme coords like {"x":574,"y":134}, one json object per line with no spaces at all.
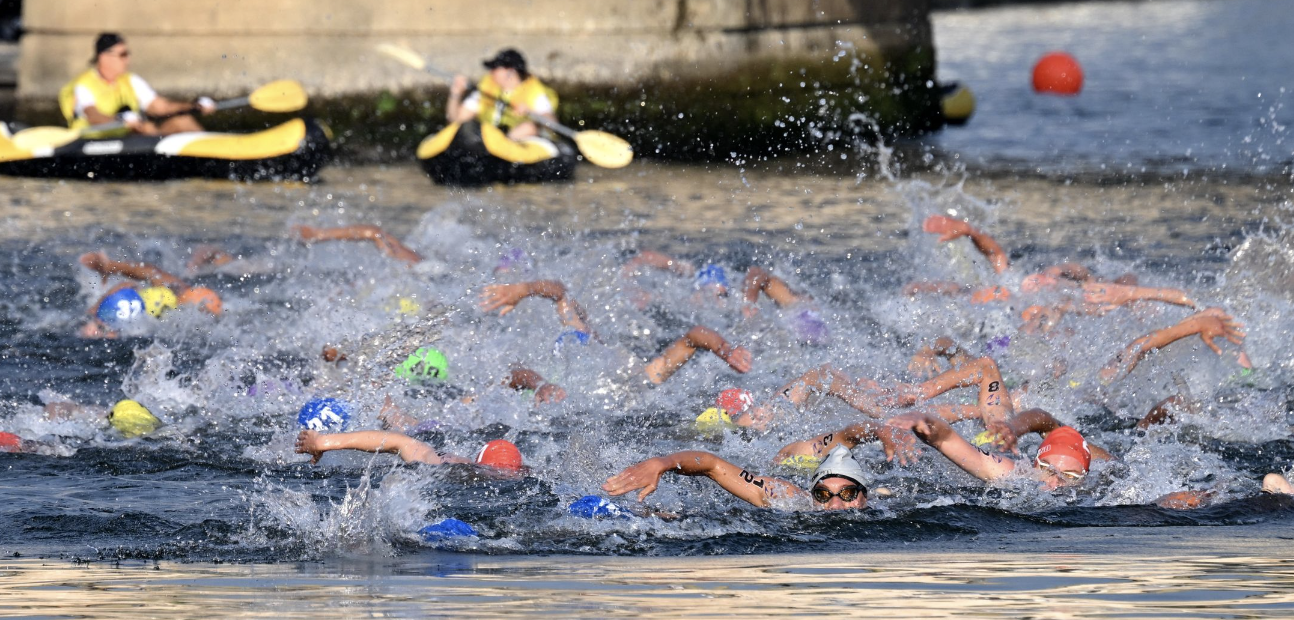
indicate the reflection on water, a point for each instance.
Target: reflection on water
{"x":1048,"y":585}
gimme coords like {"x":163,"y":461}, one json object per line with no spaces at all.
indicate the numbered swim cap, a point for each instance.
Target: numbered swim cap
{"x":710,"y":275}
{"x":158,"y":299}
{"x":131,"y":419}
{"x":202,"y":297}
{"x":570,"y":336}
{"x":425,"y":364}
{"x":594,"y":507}
{"x":449,"y":528}
{"x":324,"y":414}
{"x":500,"y":453}
{"x":735,"y":400}
{"x":120,"y":307}
{"x":1065,"y":441}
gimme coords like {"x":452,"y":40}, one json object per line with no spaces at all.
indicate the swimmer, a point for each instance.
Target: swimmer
{"x":127,"y":417}
{"x":185,"y":294}
{"x":505,"y":297}
{"x":385,"y":243}
{"x":499,"y":454}
{"x":839,"y":483}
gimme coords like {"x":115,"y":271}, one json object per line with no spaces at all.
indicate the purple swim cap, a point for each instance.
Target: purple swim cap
{"x":514,"y":260}
{"x":809,"y":327}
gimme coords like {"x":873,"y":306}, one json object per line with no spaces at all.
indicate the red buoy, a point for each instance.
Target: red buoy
{"x":1057,"y":73}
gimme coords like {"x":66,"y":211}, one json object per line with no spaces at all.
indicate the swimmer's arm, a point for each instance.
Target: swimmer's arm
{"x":142,"y":272}
{"x":758,"y":490}
{"x":505,"y":297}
{"x":656,"y":260}
{"x":1208,"y":325}
{"x":680,"y":351}
{"x":759,"y":279}
{"x":895,"y":441}
{"x":526,"y":379}
{"x":949,"y":229}
{"x":994,"y":402}
{"x":1069,"y":271}
{"x":940,"y":436}
{"x":828,"y":379}
{"x":1109,"y":295}
{"x":926,"y":361}
{"x":385,"y":243}
{"x":409,"y":449}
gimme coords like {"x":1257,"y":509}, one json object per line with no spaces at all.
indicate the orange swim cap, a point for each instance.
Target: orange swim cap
{"x":1065,"y":441}
{"x":735,"y":400}
{"x":203,"y":298}
{"x":10,"y":442}
{"x":992,"y":293}
{"x":500,"y":453}
{"x":1035,"y":282}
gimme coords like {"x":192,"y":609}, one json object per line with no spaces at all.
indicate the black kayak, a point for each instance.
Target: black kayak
{"x":469,"y":154}
{"x":294,"y":150}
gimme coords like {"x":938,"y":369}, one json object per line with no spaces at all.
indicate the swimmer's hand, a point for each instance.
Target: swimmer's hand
{"x":925,"y":364}
{"x":1004,"y":439}
{"x":946,"y":227}
{"x":739,"y":358}
{"x":503,"y":297}
{"x":1215,"y":323}
{"x":308,"y":443}
{"x":549,"y":393}
{"x":644,"y":475}
{"x":898,"y":443}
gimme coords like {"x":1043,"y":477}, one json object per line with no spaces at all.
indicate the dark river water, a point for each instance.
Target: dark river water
{"x":1169,"y":165}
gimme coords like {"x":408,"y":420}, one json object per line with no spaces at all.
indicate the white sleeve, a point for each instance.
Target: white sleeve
{"x":84,"y":99}
{"x":543,"y":105}
{"x":144,"y":93}
{"x":472,"y":102}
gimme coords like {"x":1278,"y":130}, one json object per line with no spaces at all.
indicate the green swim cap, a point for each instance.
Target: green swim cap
{"x":131,"y":419}
{"x":424,"y":364}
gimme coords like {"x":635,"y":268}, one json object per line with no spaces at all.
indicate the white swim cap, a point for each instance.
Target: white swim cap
{"x":840,"y":462}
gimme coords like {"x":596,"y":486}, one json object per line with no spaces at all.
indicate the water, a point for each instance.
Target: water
{"x":219,"y":484}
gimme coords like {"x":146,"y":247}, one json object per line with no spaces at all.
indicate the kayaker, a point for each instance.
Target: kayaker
{"x":109,"y":92}
{"x":503,"y":97}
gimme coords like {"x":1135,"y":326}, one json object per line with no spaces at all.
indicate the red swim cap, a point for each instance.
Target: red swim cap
{"x":735,"y":400}
{"x":10,"y":442}
{"x":1065,"y":441}
{"x":500,"y":453}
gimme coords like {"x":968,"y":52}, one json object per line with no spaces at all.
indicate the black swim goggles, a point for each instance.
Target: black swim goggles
{"x":846,"y":494}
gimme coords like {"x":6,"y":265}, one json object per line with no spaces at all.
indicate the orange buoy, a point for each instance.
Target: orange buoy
{"x":1057,"y":73}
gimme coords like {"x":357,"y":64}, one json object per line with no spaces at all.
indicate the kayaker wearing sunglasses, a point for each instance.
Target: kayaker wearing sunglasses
{"x":839,"y":483}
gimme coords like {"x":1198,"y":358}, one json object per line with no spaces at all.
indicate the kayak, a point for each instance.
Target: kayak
{"x":469,"y":154}
{"x":294,"y":150}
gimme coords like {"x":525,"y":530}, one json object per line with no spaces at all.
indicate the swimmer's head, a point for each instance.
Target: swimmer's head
{"x":500,"y":453}
{"x":121,"y":307}
{"x":570,"y":337}
{"x":132,"y":419}
{"x":158,"y":299}
{"x":735,"y":401}
{"x":809,"y":327}
{"x":713,"y":420}
{"x":514,"y":260}
{"x":324,"y":414}
{"x":839,"y":482}
{"x":202,"y":297}
{"x":711,"y":275}
{"x":425,"y":364}
{"x":1064,"y":454}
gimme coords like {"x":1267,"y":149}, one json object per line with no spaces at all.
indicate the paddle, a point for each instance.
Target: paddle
{"x":599,"y":147}
{"x":277,"y":96}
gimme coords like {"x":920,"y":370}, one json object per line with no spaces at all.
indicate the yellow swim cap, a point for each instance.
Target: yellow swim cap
{"x":803,"y":462}
{"x":713,"y":420}
{"x":158,"y":299}
{"x":404,"y":306}
{"x":984,"y":438}
{"x":131,"y":419}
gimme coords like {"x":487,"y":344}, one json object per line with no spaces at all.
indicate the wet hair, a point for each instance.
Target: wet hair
{"x":105,"y":42}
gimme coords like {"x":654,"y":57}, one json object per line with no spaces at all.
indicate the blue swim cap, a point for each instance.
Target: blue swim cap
{"x":449,"y":528}
{"x":324,"y":414}
{"x":573,"y":336}
{"x":710,"y":275}
{"x":594,"y":507}
{"x":120,"y":307}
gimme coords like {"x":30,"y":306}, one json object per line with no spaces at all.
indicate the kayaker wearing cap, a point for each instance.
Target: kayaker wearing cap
{"x":839,"y":483}
{"x":109,"y":92}
{"x":503,"y":97}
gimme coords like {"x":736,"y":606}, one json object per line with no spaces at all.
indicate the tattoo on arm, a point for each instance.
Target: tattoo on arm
{"x":745,"y":475}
